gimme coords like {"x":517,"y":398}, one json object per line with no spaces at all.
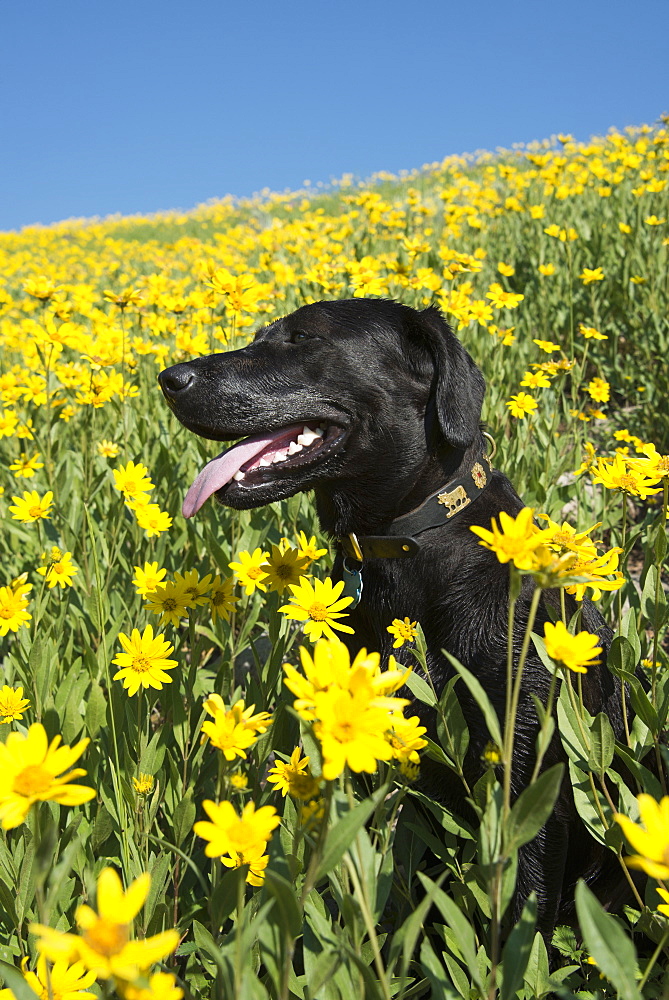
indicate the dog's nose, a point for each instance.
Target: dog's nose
{"x":176,"y":379}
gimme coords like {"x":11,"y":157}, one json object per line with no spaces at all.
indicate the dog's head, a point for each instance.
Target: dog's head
{"x":350,"y":390}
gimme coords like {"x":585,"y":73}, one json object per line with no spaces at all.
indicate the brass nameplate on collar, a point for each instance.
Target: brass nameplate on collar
{"x":454,"y":501}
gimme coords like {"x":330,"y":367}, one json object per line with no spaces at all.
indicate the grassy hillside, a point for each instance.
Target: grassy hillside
{"x":121,"y":623}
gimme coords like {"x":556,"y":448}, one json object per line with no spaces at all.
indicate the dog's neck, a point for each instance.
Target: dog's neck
{"x":371,"y":510}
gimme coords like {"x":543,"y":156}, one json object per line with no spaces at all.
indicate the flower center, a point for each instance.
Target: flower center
{"x":35,"y":511}
{"x":242,"y":837}
{"x":141,"y":664}
{"x":318,"y":612}
{"x":169,"y":604}
{"x":253,"y":572}
{"x":344,"y":731}
{"x":627,"y":483}
{"x":6,"y":612}
{"x":302,"y":786}
{"x":32,"y":780}
{"x":284,"y":571}
{"x":106,"y":938}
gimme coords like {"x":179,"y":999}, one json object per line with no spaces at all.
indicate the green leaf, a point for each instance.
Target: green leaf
{"x":517,"y":950}
{"x":490,"y":830}
{"x":206,"y":944}
{"x":586,"y":802}
{"x":540,"y":646}
{"x":641,"y":703}
{"x":621,"y":657}
{"x":420,"y":689}
{"x":404,"y":939}
{"x":449,"y":821}
{"x":47,"y":849}
{"x":660,"y":544}
{"x":286,"y":902}
{"x":574,"y":738}
{"x":343,"y":833}
{"x":250,"y":987}
{"x":602,"y":745}
{"x":532,"y":808}
{"x":103,"y":826}
{"x":434,"y":752}
{"x":184,"y":817}
{"x":312,"y":748}
{"x":327,"y":976}
{"x":96,"y":710}
{"x":15,"y":981}
{"x":372,"y":989}
{"x":460,"y":925}
{"x":25,"y":890}
{"x":646,"y":778}
{"x":224,"y":898}
{"x":480,"y":697}
{"x":628,"y":627}
{"x":160,"y":870}
{"x":607,"y":943}
{"x":536,"y":974}
{"x":451,"y":726}
{"x":434,"y":970}
{"x":654,"y":611}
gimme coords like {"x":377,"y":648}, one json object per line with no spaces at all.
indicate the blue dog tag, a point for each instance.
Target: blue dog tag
{"x":352,"y":584}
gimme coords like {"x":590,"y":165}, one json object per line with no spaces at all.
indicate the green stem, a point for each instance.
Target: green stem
{"x":124,"y":408}
{"x":239,"y":957}
{"x":363,"y":903}
{"x":316,"y":854}
{"x":546,"y":722}
{"x":140,"y":699}
{"x":658,"y":589}
{"x":653,"y":959}
{"x":623,"y":543}
{"x":510,"y":721}
{"x":120,"y":804}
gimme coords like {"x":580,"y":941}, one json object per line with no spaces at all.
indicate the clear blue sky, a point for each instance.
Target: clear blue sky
{"x":138,"y":106}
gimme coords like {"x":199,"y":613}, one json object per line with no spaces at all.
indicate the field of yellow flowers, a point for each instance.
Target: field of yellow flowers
{"x":193,"y":801}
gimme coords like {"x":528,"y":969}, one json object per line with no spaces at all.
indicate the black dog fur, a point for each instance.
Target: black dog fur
{"x":403,"y":399}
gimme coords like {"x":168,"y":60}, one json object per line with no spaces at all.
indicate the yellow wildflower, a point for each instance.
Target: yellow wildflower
{"x":31,"y":770}
{"x":319,"y":606}
{"x":576,"y":652}
{"x":104,"y":944}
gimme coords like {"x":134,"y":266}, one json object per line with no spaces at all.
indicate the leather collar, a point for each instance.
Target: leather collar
{"x":400,"y":541}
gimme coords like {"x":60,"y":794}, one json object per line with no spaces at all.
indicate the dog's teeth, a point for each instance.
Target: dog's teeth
{"x":279,"y":457}
{"x":238,"y":476}
{"x":263,"y":463}
{"x":307,"y":437}
{"x":319,"y":432}
{"x":294,"y":447}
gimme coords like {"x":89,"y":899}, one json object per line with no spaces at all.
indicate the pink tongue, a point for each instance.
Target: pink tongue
{"x":221,"y":469}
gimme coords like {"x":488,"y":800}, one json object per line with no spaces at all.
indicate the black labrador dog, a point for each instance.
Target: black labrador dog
{"x":376,"y":408}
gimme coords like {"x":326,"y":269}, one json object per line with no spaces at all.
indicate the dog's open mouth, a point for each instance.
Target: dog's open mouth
{"x":263,"y":457}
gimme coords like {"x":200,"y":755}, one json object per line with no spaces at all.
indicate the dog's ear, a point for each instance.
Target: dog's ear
{"x":458,"y":387}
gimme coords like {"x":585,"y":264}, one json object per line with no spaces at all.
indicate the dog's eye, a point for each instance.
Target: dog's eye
{"x":296,"y":336}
